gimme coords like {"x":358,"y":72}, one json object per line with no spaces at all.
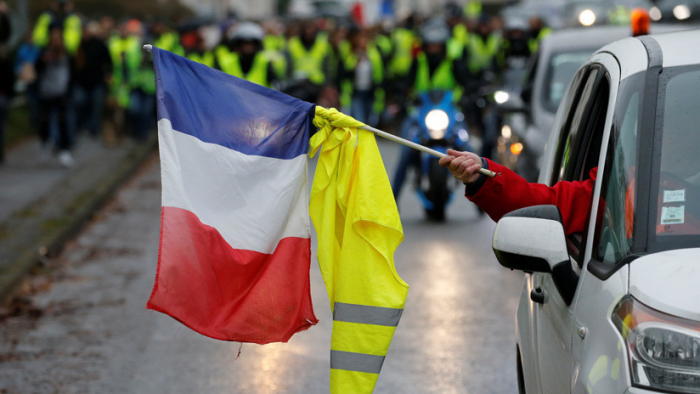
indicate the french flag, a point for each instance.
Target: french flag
{"x":235,"y":243}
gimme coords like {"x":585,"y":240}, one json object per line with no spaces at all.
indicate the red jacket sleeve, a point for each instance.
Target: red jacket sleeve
{"x":508,"y":191}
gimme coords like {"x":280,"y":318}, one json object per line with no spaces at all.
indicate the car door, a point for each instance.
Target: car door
{"x":577,"y":153}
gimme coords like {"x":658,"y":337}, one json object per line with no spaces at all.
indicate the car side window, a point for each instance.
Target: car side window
{"x":581,"y":147}
{"x":568,"y":106}
{"x":617,"y":209}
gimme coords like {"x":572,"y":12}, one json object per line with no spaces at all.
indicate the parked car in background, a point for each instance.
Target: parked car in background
{"x":615,"y":309}
{"x":525,"y":131}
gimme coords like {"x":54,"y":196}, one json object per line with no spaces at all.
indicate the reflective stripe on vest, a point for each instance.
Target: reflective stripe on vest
{"x":256,"y":74}
{"x":309,"y":62}
{"x":370,"y":318}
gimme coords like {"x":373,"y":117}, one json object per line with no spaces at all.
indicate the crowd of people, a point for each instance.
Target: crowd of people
{"x":91,"y":76}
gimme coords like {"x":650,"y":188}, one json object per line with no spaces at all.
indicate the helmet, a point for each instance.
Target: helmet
{"x":434,"y":31}
{"x":247,"y":31}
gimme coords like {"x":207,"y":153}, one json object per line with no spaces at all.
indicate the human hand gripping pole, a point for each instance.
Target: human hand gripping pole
{"x":391,"y":137}
{"x":419,"y":147}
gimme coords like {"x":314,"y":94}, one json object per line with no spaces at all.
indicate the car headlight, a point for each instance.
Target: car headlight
{"x":681,"y":12}
{"x":501,"y":97}
{"x":436,"y":122}
{"x":664,"y":350}
{"x":506,"y":131}
{"x":587,"y":17}
{"x":655,"y":14}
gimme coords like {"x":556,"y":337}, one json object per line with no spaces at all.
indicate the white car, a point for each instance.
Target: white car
{"x":616,"y":308}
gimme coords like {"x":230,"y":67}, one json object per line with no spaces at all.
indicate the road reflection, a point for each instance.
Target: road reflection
{"x":444,"y":289}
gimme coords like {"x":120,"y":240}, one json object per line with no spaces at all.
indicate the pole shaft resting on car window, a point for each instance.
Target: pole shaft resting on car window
{"x":421,"y":148}
{"x":384,"y":134}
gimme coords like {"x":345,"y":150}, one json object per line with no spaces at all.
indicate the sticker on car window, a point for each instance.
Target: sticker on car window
{"x":673,"y":215}
{"x":674,"y":195}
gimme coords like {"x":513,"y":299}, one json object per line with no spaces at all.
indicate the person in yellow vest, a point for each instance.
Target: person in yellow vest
{"x":339,"y":49}
{"x":483,"y":45}
{"x":360,"y":76}
{"x":432,"y":69}
{"x":537,"y":32}
{"x":247,"y":59}
{"x":460,"y":35}
{"x":125,"y":51}
{"x":308,"y":58}
{"x":404,"y":43}
{"x":61,"y":15}
{"x":382,"y":40}
{"x":274,"y":44}
{"x":140,"y":112}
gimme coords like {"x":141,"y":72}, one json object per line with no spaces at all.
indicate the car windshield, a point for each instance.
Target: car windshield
{"x":677,"y":210}
{"x":561,"y":70}
{"x":651,"y":191}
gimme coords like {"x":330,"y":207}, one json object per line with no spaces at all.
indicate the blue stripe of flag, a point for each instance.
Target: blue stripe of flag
{"x":221,"y":109}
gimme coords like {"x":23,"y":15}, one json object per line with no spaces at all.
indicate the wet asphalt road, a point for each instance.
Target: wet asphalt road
{"x":85,"y":329}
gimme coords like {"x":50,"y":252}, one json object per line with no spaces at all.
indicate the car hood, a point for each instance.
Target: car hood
{"x":668,"y":281}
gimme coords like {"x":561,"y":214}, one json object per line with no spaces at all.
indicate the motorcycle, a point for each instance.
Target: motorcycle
{"x":437,"y":124}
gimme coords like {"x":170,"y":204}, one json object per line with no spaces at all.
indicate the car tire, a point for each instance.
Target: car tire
{"x":521,"y":377}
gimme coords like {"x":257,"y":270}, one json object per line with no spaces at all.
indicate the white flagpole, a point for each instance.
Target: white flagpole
{"x":421,"y":148}
{"x":391,"y":137}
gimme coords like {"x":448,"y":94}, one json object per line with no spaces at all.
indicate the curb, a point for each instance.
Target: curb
{"x":51,"y":244}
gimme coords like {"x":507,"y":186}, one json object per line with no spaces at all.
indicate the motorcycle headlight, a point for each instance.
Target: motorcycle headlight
{"x":436,"y":122}
{"x":664,"y":350}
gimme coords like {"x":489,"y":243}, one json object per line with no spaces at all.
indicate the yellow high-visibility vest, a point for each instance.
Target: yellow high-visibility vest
{"x":256,"y":74}
{"x":126,"y":56}
{"x":442,"y":79}
{"x":309,"y":62}
{"x":482,"y":52}
{"x":357,"y":222}
{"x":404,"y":41}
{"x":72,"y":32}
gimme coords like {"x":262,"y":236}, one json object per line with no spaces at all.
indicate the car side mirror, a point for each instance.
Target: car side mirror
{"x":532,"y":239}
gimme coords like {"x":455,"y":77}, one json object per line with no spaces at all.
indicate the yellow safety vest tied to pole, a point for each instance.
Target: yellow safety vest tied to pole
{"x":358,"y":228}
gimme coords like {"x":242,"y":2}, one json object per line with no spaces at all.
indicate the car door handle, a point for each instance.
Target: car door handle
{"x":537,"y":295}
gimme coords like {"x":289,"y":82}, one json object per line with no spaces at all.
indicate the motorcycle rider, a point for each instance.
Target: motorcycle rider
{"x":248,"y":59}
{"x":431,"y":69}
